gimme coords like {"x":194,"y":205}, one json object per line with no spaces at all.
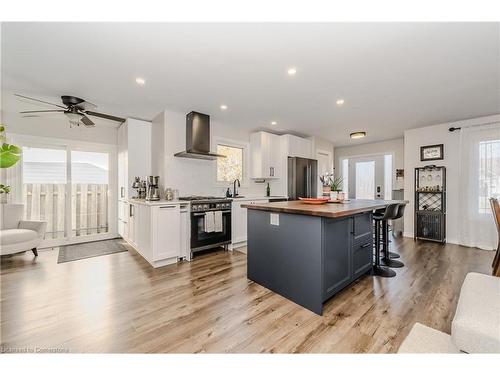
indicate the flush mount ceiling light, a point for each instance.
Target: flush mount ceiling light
{"x":357,"y":135}
{"x":223,"y":107}
{"x":140,"y":81}
{"x":274,"y":123}
{"x":292,"y":71}
{"x":340,"y":101}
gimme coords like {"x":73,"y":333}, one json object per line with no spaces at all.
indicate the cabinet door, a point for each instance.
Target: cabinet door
{"x":132,"y":210}
{"x":185,"y":231}
{"x":239,"y":225}
{"x":168,"y":233}
{"x":274,"y":156}
{"x":336,"y":255}
{"x":362,"y":257}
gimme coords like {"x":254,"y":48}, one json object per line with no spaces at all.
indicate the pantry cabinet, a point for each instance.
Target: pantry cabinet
{"x":265,"y":152}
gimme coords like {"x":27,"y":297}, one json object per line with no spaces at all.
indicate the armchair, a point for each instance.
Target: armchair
{"x":17,"y":235}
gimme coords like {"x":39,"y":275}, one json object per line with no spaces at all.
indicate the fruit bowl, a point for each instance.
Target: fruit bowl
{"x":314,"y":200}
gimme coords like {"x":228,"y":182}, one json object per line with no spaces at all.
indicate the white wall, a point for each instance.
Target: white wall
{"x":392,"y":146}
{"x":192,"y":176}
{"x":430,"y":135}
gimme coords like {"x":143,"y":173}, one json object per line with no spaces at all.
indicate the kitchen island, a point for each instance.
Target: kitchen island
{"x":308,"y":253}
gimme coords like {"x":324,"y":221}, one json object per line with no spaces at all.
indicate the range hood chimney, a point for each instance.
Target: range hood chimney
{"x":198,"y":138}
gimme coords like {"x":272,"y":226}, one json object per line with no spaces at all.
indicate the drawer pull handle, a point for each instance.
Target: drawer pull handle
{"x":366,"y":244}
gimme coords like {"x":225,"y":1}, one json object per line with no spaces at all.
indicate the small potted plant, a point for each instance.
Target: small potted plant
{"x":336,"y":189}
{"x":326,"y":180}
{"x":4,"y":190}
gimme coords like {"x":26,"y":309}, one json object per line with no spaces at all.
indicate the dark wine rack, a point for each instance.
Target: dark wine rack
{"x":430,"y":203}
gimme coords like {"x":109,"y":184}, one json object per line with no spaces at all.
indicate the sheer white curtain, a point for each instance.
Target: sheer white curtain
{"x":479,"y":181}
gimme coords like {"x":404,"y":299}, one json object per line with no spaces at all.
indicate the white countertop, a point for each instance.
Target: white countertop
{"x":163,"y":201}
{"x":155,"y":203}
{"x":255,"y":198}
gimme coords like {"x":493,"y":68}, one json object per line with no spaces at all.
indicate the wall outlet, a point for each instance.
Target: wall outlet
{"x":275,"y":219}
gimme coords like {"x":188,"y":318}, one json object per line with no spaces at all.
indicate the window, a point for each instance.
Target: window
{"x":345,"y":177}
{"x":489,"y":173}
{"x":229,"y":168}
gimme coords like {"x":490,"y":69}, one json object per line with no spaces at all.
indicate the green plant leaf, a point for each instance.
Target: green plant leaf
{"x":9,"y":155}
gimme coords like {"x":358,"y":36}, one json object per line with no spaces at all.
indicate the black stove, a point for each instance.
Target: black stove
{"x":201,"y":206}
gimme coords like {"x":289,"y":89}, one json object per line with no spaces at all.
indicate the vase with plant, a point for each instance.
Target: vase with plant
{"x":326,"y":180}
{"x":9,"y":156}
{"x":336,"y":188}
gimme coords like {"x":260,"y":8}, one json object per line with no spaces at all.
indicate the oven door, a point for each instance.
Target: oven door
{"x":201,"y":240}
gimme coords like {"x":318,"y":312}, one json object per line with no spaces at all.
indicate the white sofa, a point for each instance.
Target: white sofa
{"x":17,"y":235}
{"x":475,"y":327}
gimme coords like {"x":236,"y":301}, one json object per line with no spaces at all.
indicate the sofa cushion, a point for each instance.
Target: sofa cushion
{"x":13,"y":236}
{"x":476,"y":325}
{"x":423,"y":339}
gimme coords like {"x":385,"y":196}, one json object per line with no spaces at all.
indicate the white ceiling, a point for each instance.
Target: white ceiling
{"x":393,"y":76}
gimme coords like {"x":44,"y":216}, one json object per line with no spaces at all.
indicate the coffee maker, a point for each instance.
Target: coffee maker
{"x":153,"y":192}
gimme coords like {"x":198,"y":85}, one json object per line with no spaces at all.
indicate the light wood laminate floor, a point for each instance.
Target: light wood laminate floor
{"x":119,"y":303}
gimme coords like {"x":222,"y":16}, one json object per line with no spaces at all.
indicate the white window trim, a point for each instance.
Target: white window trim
{"x":69,"y":145}
{"x":246,"y":155}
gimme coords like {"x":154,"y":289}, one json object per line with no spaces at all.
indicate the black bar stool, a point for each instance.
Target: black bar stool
{"x":386,"y":260}
{"x":401,"y":211}
{"x":379,"y":217}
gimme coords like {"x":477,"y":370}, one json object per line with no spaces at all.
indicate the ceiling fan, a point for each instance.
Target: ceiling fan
{"x":76,"y":109}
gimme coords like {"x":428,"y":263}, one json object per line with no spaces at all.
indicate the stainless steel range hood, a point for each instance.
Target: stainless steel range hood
{"x":198,"y":138}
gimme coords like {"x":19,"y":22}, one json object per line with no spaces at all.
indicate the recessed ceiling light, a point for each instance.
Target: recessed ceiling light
{"x":292,"y":71}
{"x":140,"y":81}
{"x":223,"y":107}
{"x":274,"y":123}
{"x":357,"y":135}
{"x":340,"y":101}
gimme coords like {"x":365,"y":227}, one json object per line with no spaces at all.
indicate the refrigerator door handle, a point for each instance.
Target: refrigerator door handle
{"x":308,"y":187}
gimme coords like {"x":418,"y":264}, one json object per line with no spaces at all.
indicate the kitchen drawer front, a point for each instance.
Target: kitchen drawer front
{"x":362,"y":257}
{"x":362,"y":226}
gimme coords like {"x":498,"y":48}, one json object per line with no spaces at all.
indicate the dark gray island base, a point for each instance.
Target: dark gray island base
{"x":310,"y":255}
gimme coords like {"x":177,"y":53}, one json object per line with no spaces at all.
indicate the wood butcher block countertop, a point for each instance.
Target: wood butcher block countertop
{"x":333,"y":210}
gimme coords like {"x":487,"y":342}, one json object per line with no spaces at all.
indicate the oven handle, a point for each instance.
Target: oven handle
{"x":203,"y":213}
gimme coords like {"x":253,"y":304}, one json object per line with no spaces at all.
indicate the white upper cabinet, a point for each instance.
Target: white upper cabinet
{"x":297,"y":146}
{"x":134,"y":157}
{"x":265,"y":151}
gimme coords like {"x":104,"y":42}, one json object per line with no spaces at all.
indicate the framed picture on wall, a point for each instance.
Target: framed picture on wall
{"x":432,"y":152}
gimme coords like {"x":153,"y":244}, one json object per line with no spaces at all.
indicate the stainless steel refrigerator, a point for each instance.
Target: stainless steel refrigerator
{"x":302,"y":178}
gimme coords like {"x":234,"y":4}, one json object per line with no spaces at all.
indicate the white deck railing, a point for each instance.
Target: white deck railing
{"x":89,"y":205}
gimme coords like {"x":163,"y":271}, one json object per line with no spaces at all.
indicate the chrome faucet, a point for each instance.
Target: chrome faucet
{"x":235,"y":189}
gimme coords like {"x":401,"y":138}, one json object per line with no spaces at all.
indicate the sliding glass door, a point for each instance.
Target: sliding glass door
{"x":44,"y":188}
{"x":70,"y":187}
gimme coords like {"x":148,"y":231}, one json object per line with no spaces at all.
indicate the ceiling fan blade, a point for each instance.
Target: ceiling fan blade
{"x":85,"y":106}
{"x":38,"y":100}
{"x":87,"y":122}
{"x":108,"y":117}
{"x":48,"y":111}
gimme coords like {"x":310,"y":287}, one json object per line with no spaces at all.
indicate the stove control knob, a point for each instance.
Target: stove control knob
{"x":206,"y":206}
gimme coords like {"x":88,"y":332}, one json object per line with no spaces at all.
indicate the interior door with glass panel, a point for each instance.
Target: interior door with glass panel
{"x":370,"y":177}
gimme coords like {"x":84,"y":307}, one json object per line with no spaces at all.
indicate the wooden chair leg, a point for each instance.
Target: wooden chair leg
{"x":35,"y":251}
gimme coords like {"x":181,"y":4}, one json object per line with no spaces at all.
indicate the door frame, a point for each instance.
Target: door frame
{"x":23,"y":140}
{"x":367,"y":155}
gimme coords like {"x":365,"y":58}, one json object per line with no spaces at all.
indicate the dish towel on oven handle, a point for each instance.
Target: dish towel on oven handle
{"x":218,"y":221}
{"x":209,"y":222}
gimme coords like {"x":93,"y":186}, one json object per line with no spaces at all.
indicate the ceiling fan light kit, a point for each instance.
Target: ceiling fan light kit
{"x":75,"y":109}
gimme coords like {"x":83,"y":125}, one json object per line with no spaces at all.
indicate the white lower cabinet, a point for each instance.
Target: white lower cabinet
{"x":239,"y":222}
{"x":158,"y":232}
{"x":167,"y":239}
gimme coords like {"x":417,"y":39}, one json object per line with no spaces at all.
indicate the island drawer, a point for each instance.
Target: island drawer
{"x":362,"y":225}
{"x":362,"y":257}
